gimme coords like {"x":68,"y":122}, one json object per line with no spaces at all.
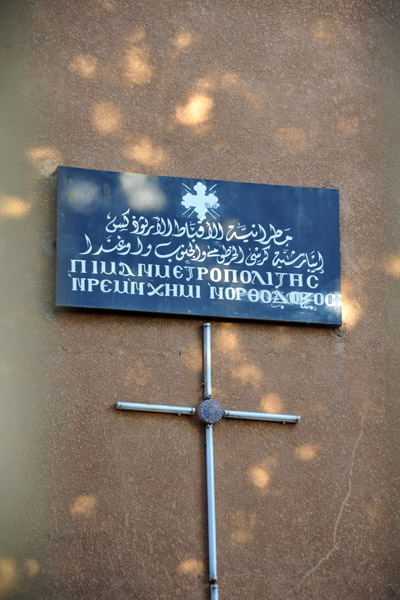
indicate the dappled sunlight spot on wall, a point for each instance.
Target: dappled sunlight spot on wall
{"x":351,"y":308}
{"x":249,"y":374}
{"x":147,"y":153}
{"x":138,"y":35}
{"x":374,"y":510}
{"x":226,"y":340}
{"x":220,"y":146}
{"x":305,"y":452}
{"x":260,"y":475}
{"x":391,"y":265}
{"x":271,"y":403}
{"x":324,"y":30}
{"x":139,"y":374}
{"x":13,"y":207}
{"x":234,"y":83}
{"x":8,"y":575}
{"x":137,"y":66}
{"x":108,"y":5}
{"x":44,"y":159}
{"x":105,"y":5}
{"x":31,"y":567}
{"x":83,"y":506}
{"x":142,"y":192}
{"x":191,"y":567}
{"x":182,"y":40}
{"x":230,"y":80}
{"x":351,"y":313}
{"x":206,"y":83}
{"x":242,"y":525}
{"x":292,"y":140}
{"x":105,"y":116}
{"x":197,"y":110}
{"x":241,"y":536}
{"x":84,"y":65}
{"x":348,"y":125}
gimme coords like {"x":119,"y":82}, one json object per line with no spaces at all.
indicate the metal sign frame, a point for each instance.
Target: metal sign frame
{"x":198,"y":247}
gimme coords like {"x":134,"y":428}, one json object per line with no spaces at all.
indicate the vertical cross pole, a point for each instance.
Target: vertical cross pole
{"x":207,"y":360}
{"x":212,"y":531}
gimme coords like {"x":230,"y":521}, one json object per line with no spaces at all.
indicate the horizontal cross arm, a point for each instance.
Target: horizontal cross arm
{"x":161,"y":408}
{"x":254,"y":416}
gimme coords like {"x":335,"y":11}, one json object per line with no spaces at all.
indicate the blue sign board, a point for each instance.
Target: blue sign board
{"x":198,"y":247}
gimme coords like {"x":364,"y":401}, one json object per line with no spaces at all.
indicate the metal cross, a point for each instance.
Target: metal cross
{"x":210,"y":412}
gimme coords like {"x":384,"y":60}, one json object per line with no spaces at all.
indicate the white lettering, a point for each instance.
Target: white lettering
{"x":155,"y":290}
{"x":103,"y":268}
{"x":103,"y":284}
{"x":137,"y":288}
{"x":295,"y":279}
{"x":269,"y":278}
{"x":200,"y":272}
{"x":216,"y":291}
{"x":294,"y":297}
{"x":190,"y":273}
{"x":230,"y":293}
{"x":308,"y":281}
{"x":265,"y":296}
{"x":177,"y":272}
{"x":215,"y":274}
{"x":90,"y":283}
{"x":280,"y":276}
{"x":78,"y":283}
{"x":189,"y":292}
{"x":240,"y":293}
{"x":256,"y":275}
{"x":330,"y":300}
{"x":253,"y":295}
{"x":318,"y":299}
{"x":171,"y":289}
{"x":157,"y":271}
{"x":245,"y":276}
{"x":227,"y":276}
{"x":279,"y":298}
{"x":145,"y":270}
{"x":125,"y":270}
{"x":74,"y":264}
{"x":117,"y":289}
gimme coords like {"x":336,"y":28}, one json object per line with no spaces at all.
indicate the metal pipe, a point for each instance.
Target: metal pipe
{"x":207,"y":359}
{"x":214,"y":591}
{"x":212,"y":534}
{"x":175,"y":410}
{"x":238,"y":414}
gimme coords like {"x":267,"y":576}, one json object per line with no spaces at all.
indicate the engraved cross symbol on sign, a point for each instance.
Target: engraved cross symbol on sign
{"x":210,"y":412}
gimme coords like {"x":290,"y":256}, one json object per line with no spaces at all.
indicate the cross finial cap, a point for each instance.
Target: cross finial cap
{"x":210,"y":411}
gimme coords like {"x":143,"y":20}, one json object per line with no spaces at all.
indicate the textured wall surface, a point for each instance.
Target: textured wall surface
{"x":96,"y":504}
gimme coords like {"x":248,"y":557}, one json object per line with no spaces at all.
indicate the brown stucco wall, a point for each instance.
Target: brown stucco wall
{"x":97,"y":504}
